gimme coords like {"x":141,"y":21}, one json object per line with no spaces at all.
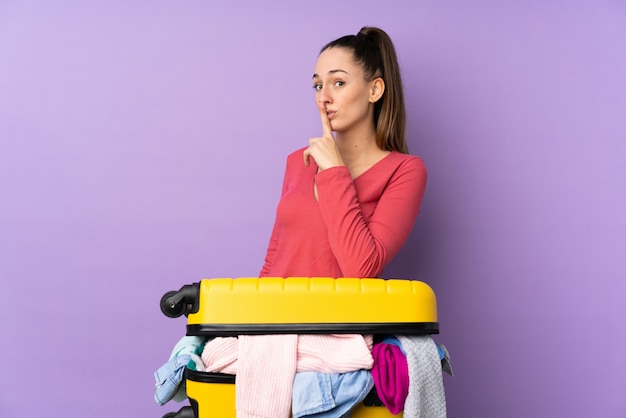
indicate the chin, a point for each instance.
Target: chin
{"x":336,"y":127}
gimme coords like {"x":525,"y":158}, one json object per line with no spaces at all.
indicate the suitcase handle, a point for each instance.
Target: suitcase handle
{"x":181,"y":302}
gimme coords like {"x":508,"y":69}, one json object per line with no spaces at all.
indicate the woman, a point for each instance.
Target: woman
{"x":348,"y":204}
{"x":349,"y":201}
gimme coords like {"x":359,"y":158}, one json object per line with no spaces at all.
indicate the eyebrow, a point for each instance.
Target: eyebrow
{"x":331,"y":72}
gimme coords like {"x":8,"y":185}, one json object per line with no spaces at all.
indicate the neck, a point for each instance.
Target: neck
{"x":355,"y":149}
{"x":357,"y":144}
{"x":359,"y":152}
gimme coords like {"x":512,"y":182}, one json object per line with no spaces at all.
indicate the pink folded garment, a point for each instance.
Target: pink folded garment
{"x":334,"y":353}
{"x":222,"y":355}
{"x":328,"y":353}
{"x":391,"y":376}
{"x":267,"y":366}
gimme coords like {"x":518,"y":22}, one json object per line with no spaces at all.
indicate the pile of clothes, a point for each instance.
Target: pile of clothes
{"x":312,"y":375}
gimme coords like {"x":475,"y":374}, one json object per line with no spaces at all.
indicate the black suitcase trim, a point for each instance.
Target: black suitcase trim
{"x":208,"y":377}
{"x":371,"y":399}
{"x":398,"y":328}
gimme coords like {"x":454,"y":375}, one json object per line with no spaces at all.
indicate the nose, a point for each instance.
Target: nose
{"x":323,"y":96}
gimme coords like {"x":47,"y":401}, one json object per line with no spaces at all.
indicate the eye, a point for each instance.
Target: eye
{"x":339,"y":83}
{"x":317,"y":86}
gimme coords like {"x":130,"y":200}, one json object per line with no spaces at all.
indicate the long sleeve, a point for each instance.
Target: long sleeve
{"x":362,"y":245}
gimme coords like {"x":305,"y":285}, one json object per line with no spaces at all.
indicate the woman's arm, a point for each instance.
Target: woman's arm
{"x":363,"y":249}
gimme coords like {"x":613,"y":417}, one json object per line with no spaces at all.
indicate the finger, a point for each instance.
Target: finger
{"x":306,"y":157}
{"x":327,"y":131}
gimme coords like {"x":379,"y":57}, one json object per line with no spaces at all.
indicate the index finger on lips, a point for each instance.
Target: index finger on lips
{"x":327,"y":131}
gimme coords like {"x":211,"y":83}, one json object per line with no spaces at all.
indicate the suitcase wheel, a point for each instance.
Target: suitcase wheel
{"x":171,"y":308}
{"x":181,"y":302}
{"x":184,"y":412}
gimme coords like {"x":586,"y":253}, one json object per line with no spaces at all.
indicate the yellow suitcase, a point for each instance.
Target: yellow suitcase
{"x":294,"y":305}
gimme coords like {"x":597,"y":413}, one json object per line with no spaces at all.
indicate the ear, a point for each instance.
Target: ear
{"x":377,"y":88}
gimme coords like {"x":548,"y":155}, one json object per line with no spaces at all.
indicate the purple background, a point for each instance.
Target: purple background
{"x":142,"y":147}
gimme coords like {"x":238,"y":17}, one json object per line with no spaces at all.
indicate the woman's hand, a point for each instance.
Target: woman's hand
{"x":323,"y":149}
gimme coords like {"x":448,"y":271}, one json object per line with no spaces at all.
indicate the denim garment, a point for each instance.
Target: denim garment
{"x":329,"y":395}
{"x":169,"y":378}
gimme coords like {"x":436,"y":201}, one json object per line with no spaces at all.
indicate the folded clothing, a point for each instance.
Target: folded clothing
{"x":391,"y":376}
{"x":329,"y":395}
{"x":266,"y":365}
{"x":170,"y":384}
{"x":426,"y":397}
{"x":328,"y":353}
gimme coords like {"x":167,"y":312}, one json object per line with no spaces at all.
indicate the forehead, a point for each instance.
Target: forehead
{"x":333,"y":59}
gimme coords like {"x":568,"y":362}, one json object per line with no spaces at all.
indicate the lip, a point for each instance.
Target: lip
{"x":330,"y":114}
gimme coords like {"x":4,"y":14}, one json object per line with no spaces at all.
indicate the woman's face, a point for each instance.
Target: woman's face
{"x":341,"y":88}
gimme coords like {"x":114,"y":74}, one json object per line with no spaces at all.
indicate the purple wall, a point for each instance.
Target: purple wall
{"x":142,"y":146}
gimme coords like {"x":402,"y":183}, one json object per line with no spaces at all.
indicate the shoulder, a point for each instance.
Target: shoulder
{"x":406,"y":163}
{"x":297,"y":156}
{"x":295,"y":162}
{"x":409,"y":176}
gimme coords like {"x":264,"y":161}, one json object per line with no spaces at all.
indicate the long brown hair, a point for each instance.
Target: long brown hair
{"x":374,"y":50}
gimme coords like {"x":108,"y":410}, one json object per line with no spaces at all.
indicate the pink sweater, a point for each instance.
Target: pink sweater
{"x":357,"y":226}
{"x":327,"y":353}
